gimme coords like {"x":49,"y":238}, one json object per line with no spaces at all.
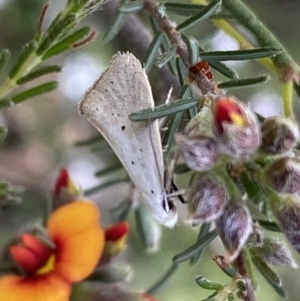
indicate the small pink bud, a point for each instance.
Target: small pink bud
{"x":65,"y":189}
{"x":234,"y":227}
{"x":199,"y":152}
{"x":236,"y":127}
{"x":275,"y":252}
{"x":279,"y":135}
{"x":206,"y":199}
{"x":115,"y":239}
{"x":284,"y":175}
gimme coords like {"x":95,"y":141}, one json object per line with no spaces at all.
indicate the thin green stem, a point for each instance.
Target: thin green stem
{"x":10,"y":83}
{"x":287,"y":99}
{"x":163,"y":280}
{"x":287,"y":68}
{"x":250,"y":270}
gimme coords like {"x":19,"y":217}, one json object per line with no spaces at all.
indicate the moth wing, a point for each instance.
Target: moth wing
{"x":121,"y":90}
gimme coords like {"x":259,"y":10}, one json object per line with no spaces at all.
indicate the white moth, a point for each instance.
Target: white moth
{"x":122,"y":89}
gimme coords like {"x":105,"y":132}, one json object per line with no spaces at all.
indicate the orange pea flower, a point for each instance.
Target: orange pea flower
{"x":77,"y":242}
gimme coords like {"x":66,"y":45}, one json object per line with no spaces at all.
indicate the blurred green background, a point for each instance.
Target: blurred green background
{"x":43,"y":131}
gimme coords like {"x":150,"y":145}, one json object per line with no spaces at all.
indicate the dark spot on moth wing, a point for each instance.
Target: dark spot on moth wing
{"x":152,"y":191}
{"x":132,"y":162}
{"x":123,"y":127}
{"x":141,"y":150}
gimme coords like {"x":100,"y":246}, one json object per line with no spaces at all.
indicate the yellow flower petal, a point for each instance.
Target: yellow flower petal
{"x":79,"y":239}
{"x":50,"y":287}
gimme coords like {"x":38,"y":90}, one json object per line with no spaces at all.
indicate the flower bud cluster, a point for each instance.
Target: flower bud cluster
{"x":226,"y":133}
{"x":223,"y":127}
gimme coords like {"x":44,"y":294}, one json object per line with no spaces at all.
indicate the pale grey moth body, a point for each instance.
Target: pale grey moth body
{"x":121,"y":90}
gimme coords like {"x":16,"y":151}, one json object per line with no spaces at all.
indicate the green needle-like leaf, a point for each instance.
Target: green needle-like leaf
{"x":253,"y":189}
{"x":122,"y":211}
{"x":66,"y":43}
{"x":131,"y":7}
{"x":203,"y":231}
{"x":191,"y":9}
{"x":208,"y":284}
{"x":273,"y":279}
{"x":211,"y":9}
{"x":44,"y":70}
{"x":183,"y":8}
{"x":165,"y":45}
{"x":183,"y":75}
{"x":244,"y":82}
{"x":38,"y":90}
{"x":195,"y":248}
{"x":240,"y":55}
{"x":28,"y":49}
{"x":91,"y":141}
{"x":4,"y":58}
{"x":174,"y":123}
{"x":115,"y":26}
{"x":223,"y":69}
{"x":182,"y":71}
{"x":193,"y":50}
{"x":164,"y":110}
{"x":181,"y":169}
{"x":165,"y":57}
{"x":271,"y":226}
{"x":108,"y":170}
{"x":162,"y":281}
{"x":152,"y":50}
{"x":55,"y":32}
{"x":102,"y":186}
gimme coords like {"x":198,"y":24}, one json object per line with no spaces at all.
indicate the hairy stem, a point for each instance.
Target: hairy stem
{"x":169,"y":28}
{"x":241,"y":266}
{"x":287,"y":68}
